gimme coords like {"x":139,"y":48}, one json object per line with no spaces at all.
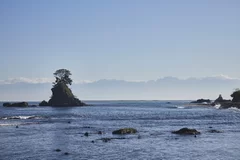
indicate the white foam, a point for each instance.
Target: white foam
{"x":180,"y":107}
{"x":21,"y":117}
{"x":217,"y":106}
{"x":8,"y":124}
{"x":234,"y":108}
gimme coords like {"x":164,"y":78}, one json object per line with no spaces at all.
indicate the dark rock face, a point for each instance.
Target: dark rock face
{"x":106,"y":139}
{"x":58,"y":150}
{"x":227,"y":105}
{"x":125,"y":131}
{"x":44,"y":103}
{"x":186,"y":131}
{"x":33,"y":106}
{"x":6,"y":104}
{"x":18,"y":104}
{"x":63,"y":96}
{"x":202,"y":101}
{"x":236,"y":96}
{"x":220,"y":100}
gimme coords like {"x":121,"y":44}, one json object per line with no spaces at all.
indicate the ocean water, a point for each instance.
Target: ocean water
{"x":42,"y":130}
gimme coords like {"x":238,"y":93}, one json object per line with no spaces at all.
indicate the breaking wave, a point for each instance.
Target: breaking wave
{"x":21,"y":117}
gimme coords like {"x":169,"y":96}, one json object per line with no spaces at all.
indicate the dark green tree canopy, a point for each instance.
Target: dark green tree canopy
{"x":62,"y":76}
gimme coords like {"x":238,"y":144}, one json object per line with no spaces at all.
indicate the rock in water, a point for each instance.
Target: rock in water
{"x":186,"y":131}
{"x":58,"y":150}
{"x":214,"y":131}
{"x":6,"y":104}
{"x":125,"y":131}
{"x":63,"y":96}
{"x":219,"y":99}
{"x":236,"y":96}
{"x":200,"y":101}
{"x":44,"y":103}
{"x":18,"y":104}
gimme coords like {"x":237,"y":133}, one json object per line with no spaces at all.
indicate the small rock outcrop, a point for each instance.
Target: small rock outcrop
{"x":186,"y":131}
{"x":125,"y":131}
{"x":43,"y":103}
{"x":6,"y":104}
{"x":61,"y":93}
{"x":214,"y":131}
{"x":17,"y":104}
{"x":220,"y":100}
{"x":201,"y":101}
{"x":63,"y":96}
{"x":236,"y":96}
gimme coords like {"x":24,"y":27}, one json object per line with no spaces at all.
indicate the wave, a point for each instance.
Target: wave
{"x":18,"y":124}
{"x":180,"y":107}
{"x":8,"y":124}
{"x":217,"y":106}
{"x":21,"y":117}
{"x":234,"y":108}
{"x":175,"y":107}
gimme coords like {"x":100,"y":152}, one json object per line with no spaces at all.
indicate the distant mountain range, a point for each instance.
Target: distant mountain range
{"x":167,"y":88}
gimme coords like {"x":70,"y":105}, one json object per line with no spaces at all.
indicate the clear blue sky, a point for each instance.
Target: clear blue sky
{"x":124,"y":39}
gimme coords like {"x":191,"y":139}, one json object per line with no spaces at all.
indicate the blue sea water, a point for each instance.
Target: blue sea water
{"x":42,"y":130}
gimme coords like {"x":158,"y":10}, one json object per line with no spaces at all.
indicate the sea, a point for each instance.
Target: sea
{"x":56,"y":133}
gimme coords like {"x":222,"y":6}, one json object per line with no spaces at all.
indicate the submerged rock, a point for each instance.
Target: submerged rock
{"x":58,"y":150}
{"x":186,"y":131}
{"x":33,"y":105}
{"x":214,"y":131}
{"x":106,"y":139}
{"x":125,"y":131}
{"x":109,"y":139}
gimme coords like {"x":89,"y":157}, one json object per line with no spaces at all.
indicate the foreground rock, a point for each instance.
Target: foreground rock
{"x":18,"y":104}
{"x":125,"y":131}
{"x":186,"y":131}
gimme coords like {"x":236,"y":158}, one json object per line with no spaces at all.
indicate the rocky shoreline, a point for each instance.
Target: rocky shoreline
{"x":220,"y":102}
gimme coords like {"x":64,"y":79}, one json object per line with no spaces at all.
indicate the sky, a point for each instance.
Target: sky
{"x":135,"y":40}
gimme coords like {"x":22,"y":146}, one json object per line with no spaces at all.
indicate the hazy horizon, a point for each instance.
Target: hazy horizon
{"x":166,"y":88}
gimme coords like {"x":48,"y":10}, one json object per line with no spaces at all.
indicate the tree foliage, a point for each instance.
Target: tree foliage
{"x":62,"y":76}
